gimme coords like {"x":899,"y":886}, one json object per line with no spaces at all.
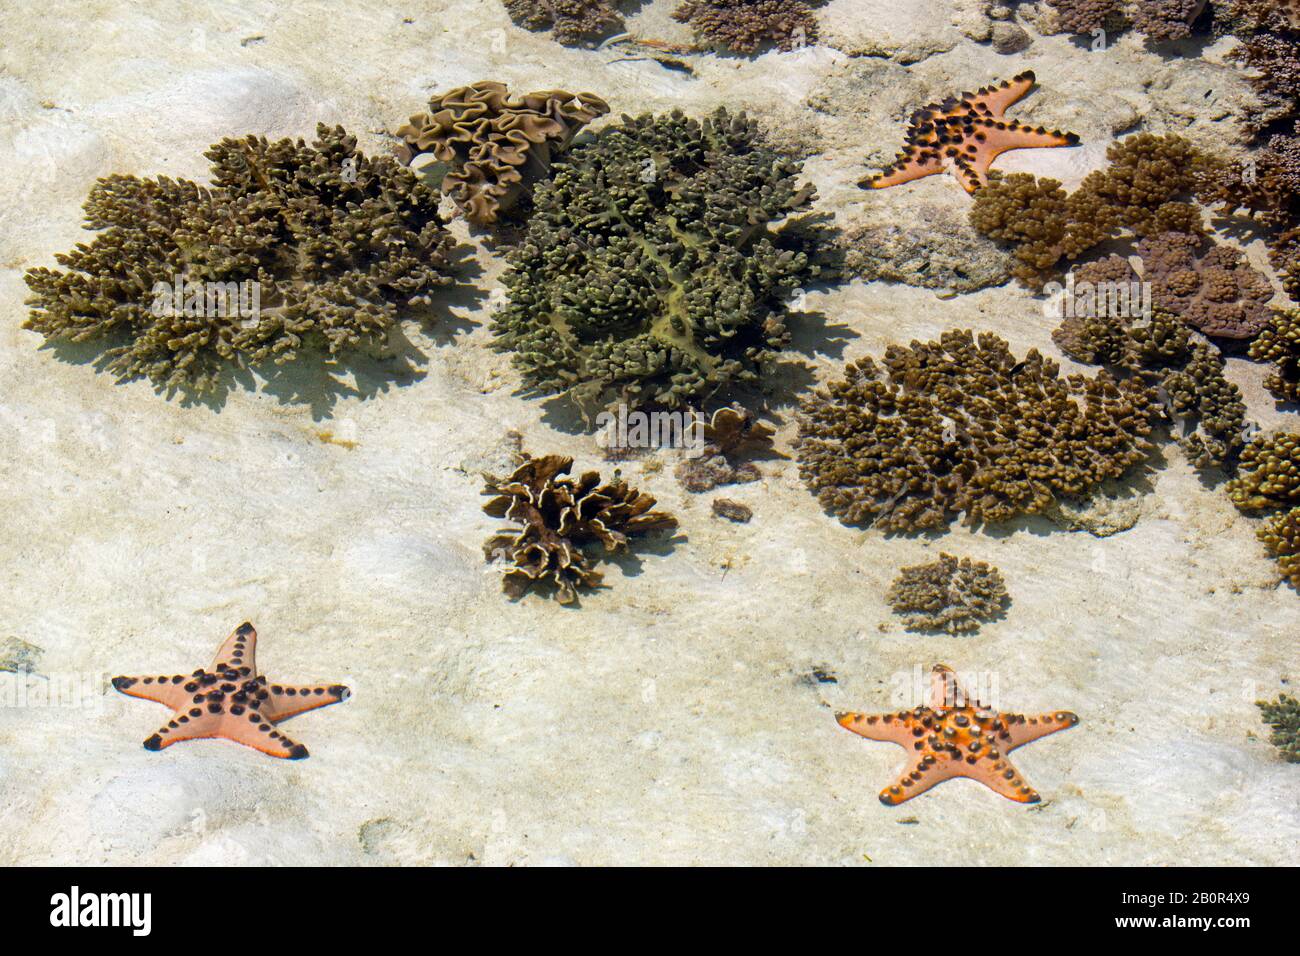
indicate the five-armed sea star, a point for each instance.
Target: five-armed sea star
{"x":956,"y":737}
{"x":230,"y":700}
{"x":965,"y":135}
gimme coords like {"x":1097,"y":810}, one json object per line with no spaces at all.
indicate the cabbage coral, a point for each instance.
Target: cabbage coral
{"x":656,"y":266}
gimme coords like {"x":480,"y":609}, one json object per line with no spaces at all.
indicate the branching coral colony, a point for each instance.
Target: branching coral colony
{"x":950,"y":595}
{"x":1157,"y":20}
{"x":556,"y":518}
{"x":747,"y":26}
{"x":571,"y":22}
{"x":1269,"y":480}
{"x":656,"y":265}
{"x":960,"y":427}
{"x":1283,"y":716}
{"x":492,"y":145}
{"x":339,"y":245}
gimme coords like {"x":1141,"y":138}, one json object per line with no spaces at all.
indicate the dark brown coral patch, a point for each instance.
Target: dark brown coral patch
{"x":494,"y":145}
{"x":747,"y":26}
{"x":557,"y":518}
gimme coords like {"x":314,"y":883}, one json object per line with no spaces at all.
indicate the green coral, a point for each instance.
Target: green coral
{"x":656,"y":265}
{"x":1283,"y":716}
{"x":338,"y":243}
{"x":950,"y":595}
{"x":961,"y":427}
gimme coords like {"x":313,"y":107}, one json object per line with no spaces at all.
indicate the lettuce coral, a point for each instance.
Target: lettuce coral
{"x":656,"y":264}
{"x":556,"y":518}
{"x":572,"y":22}
{"x":961,"y":427}
{"x":339,"y":244}
{"x":746,"y":26}
{"x":1142,"y":192}
{"x":949,"y":595}
{"x":1279,"y":344}
{"x":494,"y":145}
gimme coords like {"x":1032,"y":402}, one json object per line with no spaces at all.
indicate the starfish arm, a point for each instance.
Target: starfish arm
{"x":920,"y":776}
{"x":1003,"y":778}
{"x":171,"y":690}
{"x":254,"y":730}
{"x":238,"y":650}
{"x":285,"y":701}
{"x":901,"y":729}
{"x":904,"y":170}
{"x":997,"y":98}
{"x":192,"y":724}
{"x":1021,"y":730}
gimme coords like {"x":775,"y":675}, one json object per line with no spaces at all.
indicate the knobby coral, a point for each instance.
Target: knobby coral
{"x":337,"y":245}
{"x":571,"y":22}
{"x":950,"y":595}
{"x":494,"y":145}
{"x":1140,"y":192}
{"x":656,"y":264}
{"x":1185,"y":370}
{"x":747,"y":26}
{"x":1283,"y":716}
{"x":557,"y":517}
{"x":1158,"y":20}
{"x":961,"y":427}
{"x":1279,"y":344}
{"x":1085,"y":16}
{"x":1269,"y":476}
{"x":1281,"y":535}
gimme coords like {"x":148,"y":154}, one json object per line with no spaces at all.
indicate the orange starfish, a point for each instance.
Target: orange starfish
{"x":965,"y":135}
{"x":230,"y":700}
{"x":953,"y":738}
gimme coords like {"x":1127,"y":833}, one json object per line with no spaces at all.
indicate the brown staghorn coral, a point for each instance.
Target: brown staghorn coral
{"x":1279,"y":344}
{"x":1283,"y":717}
{"x":949,"y":595}
{"x":571,"y":22}
{"x":334,"y":242}
{"x":1139,"y":192}
{"x":960,"y":427}
{"x":1269,"y":475}
{"x":727,"y":434}
{"x":747,"y":26}
{"x":1186,"y":371}
{"x":1281,"y":536}
{"x":494,"y":145}
{"x":557,"y":517}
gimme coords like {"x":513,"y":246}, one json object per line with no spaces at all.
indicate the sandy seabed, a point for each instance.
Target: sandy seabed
{"x":676,"y":717}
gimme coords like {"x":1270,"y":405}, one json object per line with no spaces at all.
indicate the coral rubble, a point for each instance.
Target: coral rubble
{"x":557,"y":517}
{"x":727,"y":434}
{"x":965,"y":134}
{"x":950,"y":595}
{"x":656,"y":265}
{"x":338,"y":246}
{"x":494,"y":145}
{"x":1283,"y":717}
{"x":747,"y":26}
{"x":961,"y":427}
{"x":571,"y":22}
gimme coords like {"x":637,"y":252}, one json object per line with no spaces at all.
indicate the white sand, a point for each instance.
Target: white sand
{"x":672,"y":718}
